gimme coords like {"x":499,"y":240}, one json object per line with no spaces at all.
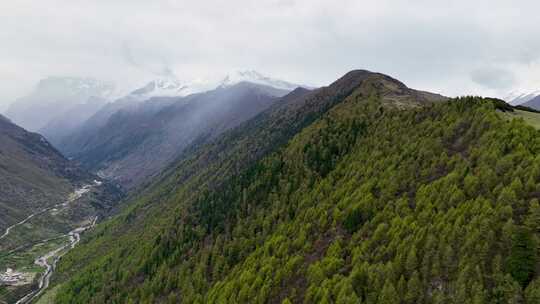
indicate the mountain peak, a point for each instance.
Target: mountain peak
{"x":258,"y":78}
{"x":360,"y":75}
{"x":160,"y":87}
{"x":353,"y":79}
{"x":170,"y":87}
{"x":521,"y":96}
{"x":173,"y":87}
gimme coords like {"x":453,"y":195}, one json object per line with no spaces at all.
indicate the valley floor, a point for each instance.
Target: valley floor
{"x":26,"y":264}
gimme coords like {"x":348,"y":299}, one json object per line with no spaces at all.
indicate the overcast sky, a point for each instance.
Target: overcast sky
{"x":455,"y":47}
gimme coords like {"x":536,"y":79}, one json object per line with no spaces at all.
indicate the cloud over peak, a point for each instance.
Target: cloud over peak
{"x":462,"y":47}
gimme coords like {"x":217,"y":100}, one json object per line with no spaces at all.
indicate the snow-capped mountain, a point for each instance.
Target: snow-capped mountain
{"x":54,"y":96}
{"x":518,"y":97}
{"x":169,"y":87}
{"x":160,"y":87}
{"x":256,"y":77}
{"x":172,"y":87}
{"x":168,"y":91}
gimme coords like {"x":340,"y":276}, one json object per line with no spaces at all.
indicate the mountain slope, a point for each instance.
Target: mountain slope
{"x":519,"y":97}
{"x":138,"y":141}
{"x":61,"y":126}
{"x":368,"y":204}
{"x":220,"y":205}
{"x":43,"y":196}
{"x":34,"y":177}
{"x":373,"y":207}
{"x":533,"y":103}
{"x":77,"y":141}
{"x":32,"y":173}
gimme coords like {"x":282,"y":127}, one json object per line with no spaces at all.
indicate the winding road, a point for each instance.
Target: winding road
{"x":56,"y":254}
{"x":8,"y":229}
{"x":74,"y":196}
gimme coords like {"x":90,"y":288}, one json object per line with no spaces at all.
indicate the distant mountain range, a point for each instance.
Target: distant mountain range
{"x":528,"y":98}
{"x":59,"y":105}
{"x":136,"y":135}
{"x":517,"y":97}
{"x":172,"y":87}
{"x":533,"y":103}
{"x":128,"y":142}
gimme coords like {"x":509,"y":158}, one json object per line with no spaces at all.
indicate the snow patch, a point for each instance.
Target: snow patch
{"x":258,"y":78}
{"x":521,"y":96}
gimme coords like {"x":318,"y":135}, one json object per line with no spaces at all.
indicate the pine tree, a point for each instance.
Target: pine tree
{"x":478,"y":295}
{"x":532,"y":293}
{"x":411,"y":263}
{"x":414,"y":289}
{"x":401,"y":286}
{"x":389,"y":294}
{"x":522,"y":260}
{"x":533,"y":217}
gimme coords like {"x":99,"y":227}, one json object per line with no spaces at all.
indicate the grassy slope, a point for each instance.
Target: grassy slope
{"x":530,"y":118}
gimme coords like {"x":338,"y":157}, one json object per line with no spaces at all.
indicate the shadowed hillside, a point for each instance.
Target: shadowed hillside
{"x":138,"y":141}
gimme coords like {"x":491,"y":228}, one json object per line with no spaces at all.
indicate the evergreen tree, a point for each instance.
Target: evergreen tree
{"x":414,"y":289}
{"x":523,"y":257}
{"x":389,"y":294}
{"x":532,"y":293}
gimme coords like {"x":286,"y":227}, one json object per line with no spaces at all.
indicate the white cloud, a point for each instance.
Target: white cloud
{"x":432,"y":45}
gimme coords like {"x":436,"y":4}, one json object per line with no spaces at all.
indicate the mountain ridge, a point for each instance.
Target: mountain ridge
{"x":215,"y":168}
{"x":519,"y":97}
{"x":363,"y":191}
{"x":533,"y":103}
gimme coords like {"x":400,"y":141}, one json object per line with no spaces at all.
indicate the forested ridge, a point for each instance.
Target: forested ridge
{"x":381,"y":196}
